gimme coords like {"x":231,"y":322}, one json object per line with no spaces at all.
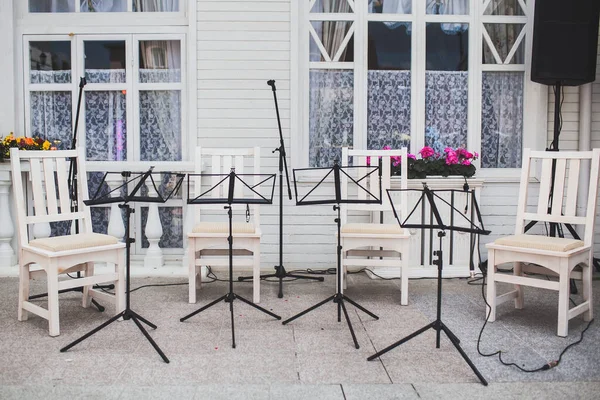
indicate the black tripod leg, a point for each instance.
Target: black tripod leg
{"x":144,"y":320}
{"x":308,"y":310}
{"x":232,"y":324}
{"x":90,"y":333}
{"x":339,"y":309}
{"x":349,"y":323}
{"x":361,"y":308}
{"x":152,"y":342}
{"x":399,"y":342}
{"x":204,"y":308}
{"x":464,"y":355}
{"x":259,"y":308}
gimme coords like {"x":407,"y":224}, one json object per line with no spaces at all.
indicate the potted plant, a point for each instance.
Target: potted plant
{"x":22,"y":143}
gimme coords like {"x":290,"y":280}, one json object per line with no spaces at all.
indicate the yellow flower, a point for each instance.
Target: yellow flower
{"x":46,"y":145}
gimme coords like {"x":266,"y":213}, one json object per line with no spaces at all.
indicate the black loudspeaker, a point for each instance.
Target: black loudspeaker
{"x":565,"y":42}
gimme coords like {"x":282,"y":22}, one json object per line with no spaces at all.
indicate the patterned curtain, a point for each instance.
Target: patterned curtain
{"x":330,"y":124}
{"x":103,"y":5}
{"x":447,"y":109}
{"x":502,"y":119}
{"x":331,"y":115}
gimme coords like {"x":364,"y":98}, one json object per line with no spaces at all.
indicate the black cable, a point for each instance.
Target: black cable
{"x":546,"y":366}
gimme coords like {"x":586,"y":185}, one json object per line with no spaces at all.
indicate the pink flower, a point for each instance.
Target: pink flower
{"x":475,"y":155}
{"x":449,"y":149}
{"x":466,"y":162}
{"x":411,"y":156}
{"x":396,"y":160}
{"x":386,"y":147}
{"x":426,"y":152}
{"x":451,"y":158}
{"x":368,"y":160}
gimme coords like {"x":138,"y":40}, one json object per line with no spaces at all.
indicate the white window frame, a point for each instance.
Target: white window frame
{"x":181,"y":25}
{"x":535,"y":96}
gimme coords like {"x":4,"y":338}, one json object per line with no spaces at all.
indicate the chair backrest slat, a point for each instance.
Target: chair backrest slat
{"x":37,"y":183}
{"x":573,"y":179}
{"x":50,"y":186}
{"x":545,"y":181}
{"x":63,"y":187}
{"x":559,"y":186}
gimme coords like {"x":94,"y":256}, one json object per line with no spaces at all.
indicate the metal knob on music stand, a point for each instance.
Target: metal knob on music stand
{"x":163,"y":193}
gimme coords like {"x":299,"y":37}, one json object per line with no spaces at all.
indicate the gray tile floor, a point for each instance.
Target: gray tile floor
{"x":311,"y":358}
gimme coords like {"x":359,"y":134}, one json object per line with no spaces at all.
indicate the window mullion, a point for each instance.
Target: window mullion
{"x":418,"y":78}
{"x":475,"y":77}
{"x":132,"y":74}
{"x":360,"y":75}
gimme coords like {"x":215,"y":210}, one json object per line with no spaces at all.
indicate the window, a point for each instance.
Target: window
{"x":63,"y":6}
{"x":441,"y":73}
{"x":131,"y":108}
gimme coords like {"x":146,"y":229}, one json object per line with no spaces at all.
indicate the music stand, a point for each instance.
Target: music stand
{"x":232,"y":198}
{"x":339,"y":297}
{"x":125,"y":197}
{"x":430,"y":196}
{"x":280,"y":271}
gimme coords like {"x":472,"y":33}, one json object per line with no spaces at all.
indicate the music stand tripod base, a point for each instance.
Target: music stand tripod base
{"x":436,"y":325}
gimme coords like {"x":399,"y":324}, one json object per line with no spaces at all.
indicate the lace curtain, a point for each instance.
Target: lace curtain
{"x":331,"y":113}
{"x":502,"y":119}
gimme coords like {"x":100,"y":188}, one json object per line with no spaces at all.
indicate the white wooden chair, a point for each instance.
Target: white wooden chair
{"x":563,"y":257}
{"x":366,"y":239}
{"x":207,"y":242}
{"x":54,"y":256}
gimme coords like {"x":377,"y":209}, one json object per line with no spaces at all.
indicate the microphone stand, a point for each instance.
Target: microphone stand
{"x":280,"y":271}
{"x":72,"y":182}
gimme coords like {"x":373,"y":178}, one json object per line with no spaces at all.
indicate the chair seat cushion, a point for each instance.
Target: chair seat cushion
{"x":388,"y":229}
{"x":539,"y":242}
{"x":223,"y":227}
{"x":73,"y":242}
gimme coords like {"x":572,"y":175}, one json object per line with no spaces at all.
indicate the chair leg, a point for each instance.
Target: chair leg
{"x":86,"y":300}
{"x":22,"y":314}
{"x":563,"y":301}
{"x":404,"y":277}
{"x":256,"y":273}
{"x":518,"y":271}
{"x":587,"y":291}
{"x":53,"y":312}
{"x":192,"y":271}
{"x":120,"y":283}
{"x":491,"y":287}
